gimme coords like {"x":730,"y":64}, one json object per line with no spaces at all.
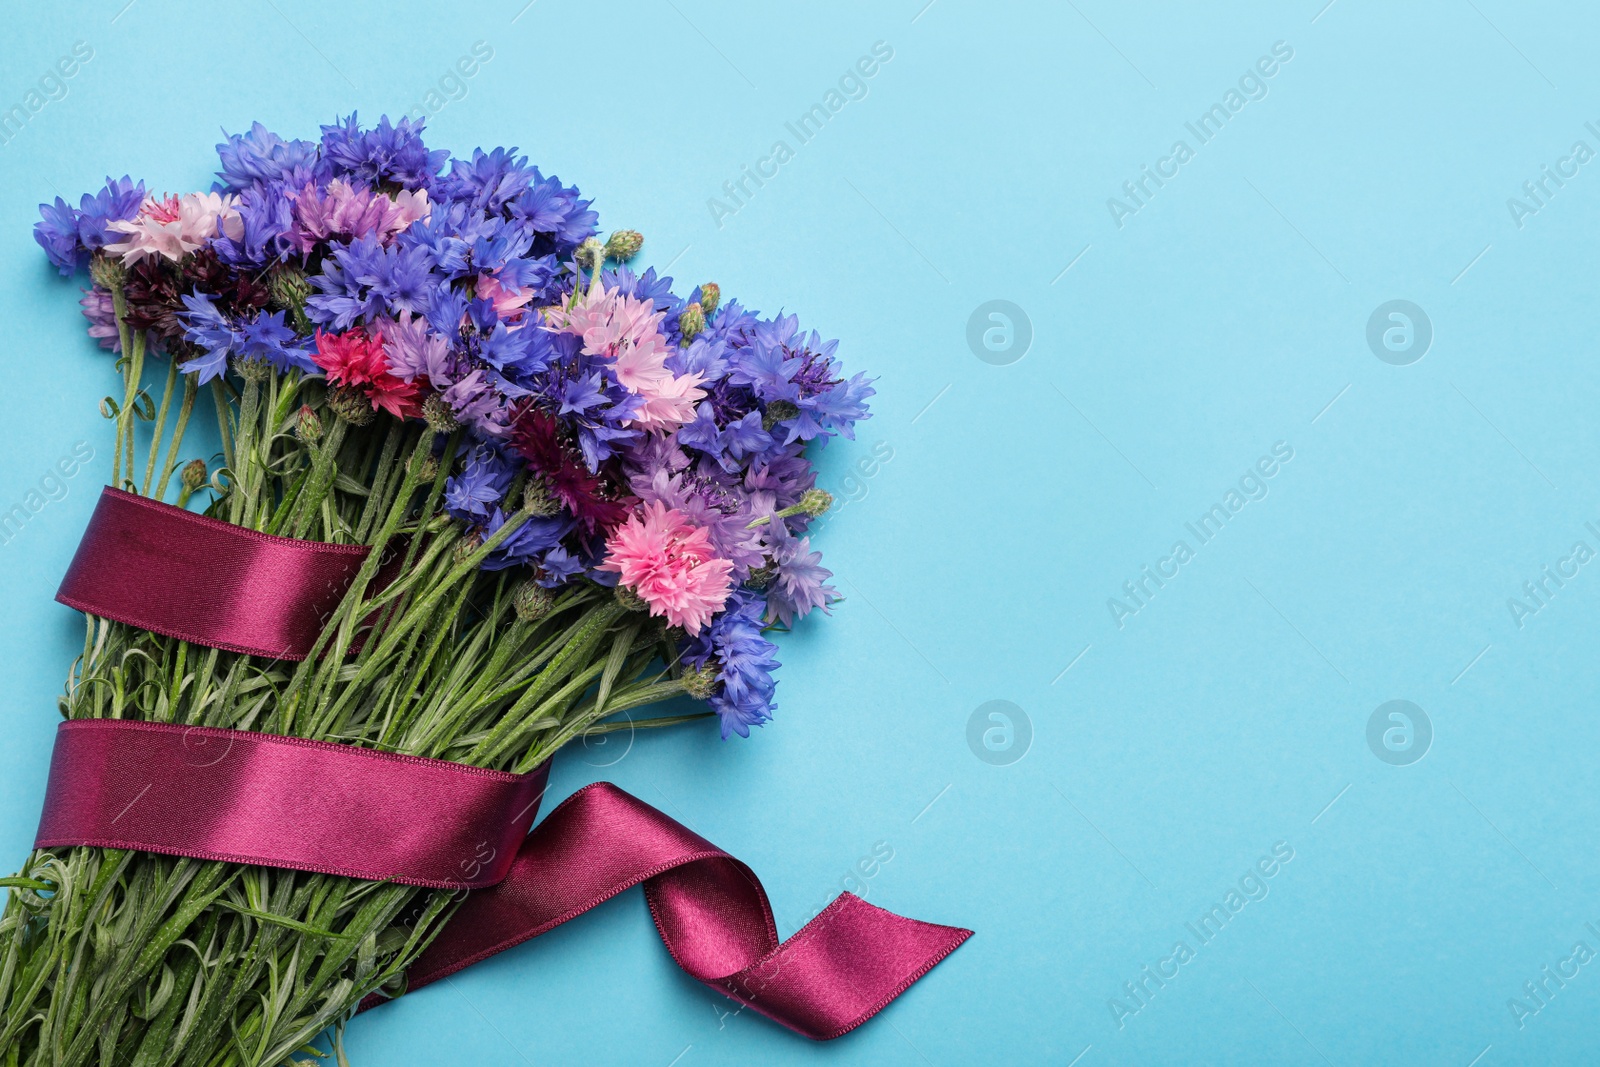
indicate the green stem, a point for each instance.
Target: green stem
{"x":219,"y":396}
{"x":159,"y":427}
{"x":244,"y":462}
{"x":191,"y":390}
{"x":125,"y":416}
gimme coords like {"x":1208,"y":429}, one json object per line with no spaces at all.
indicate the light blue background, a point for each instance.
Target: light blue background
{"x":1228,"y":314}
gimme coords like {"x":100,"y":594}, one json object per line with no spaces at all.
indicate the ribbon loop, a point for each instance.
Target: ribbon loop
{"x":837,"y":972}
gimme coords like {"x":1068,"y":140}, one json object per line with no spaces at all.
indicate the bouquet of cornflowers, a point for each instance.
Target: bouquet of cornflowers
{"x":586,"y":494}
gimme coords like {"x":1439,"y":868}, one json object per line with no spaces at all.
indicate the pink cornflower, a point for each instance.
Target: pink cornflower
{"x":508,"y":300}
{"x":346,"y":210}
{"x":669,"y":562}
{"x":175,"y":226}
{"x":627,"y":331}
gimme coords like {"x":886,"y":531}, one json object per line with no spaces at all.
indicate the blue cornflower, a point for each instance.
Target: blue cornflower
{"x":487,"y":181}
{"x":743,"y":438}
{"x":732,"y":445}
{"x":766,"y":368}
{"x":458,"y":241}
{"x":364,"y":280}
{"x":647,"y":286}
{"x":777,"y":363}
{"x":702,"y":432}
{"x":69,"y":234}
{"x":57,"y":233}
{"x":263,"y":336}
{"x":482,"y":483}
{"x":555,"y":214}
{"x":117,"y":201}
{"x":267,"y":336}
{"x":261,"y":156}
{"x":445,"y":310}
{"x":581,"y":394}
{"x":732,"y":323}
{"x":745,"y":660}
{"x":559,"y":567}
{"x":800,"y":583}
{"x":386,"y":153}
{"x":267,"y":216}
{"x":705,"y":357}
{"x":209,"y":330}
{"x":540,"y":274}
{"x":834,"y":411}
{"x":512,"y":352}
{"x":528,"y":542}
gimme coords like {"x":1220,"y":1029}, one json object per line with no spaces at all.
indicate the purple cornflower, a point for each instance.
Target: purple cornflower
{"x":100,"y":310}
{"x":722,"y":510}
{"x":799,"y":584}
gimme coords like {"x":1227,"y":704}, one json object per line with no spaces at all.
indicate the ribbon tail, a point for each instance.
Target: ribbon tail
{"x":837,"y":972}
{"x":842,"y":968}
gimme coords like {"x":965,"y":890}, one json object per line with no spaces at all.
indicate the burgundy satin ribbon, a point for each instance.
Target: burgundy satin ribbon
{"x":285,"y":802}
{"x":835,"y":973}
{"x":309,"y":805}
{"x":179,"y":574}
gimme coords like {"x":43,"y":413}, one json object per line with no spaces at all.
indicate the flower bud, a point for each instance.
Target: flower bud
{"x":701,"y":682}
{"x":587,"y":252}
{"x":630,"y":599}
{"x":691,"y":322}
{"x":429,"y":469}
{"x":194,"y":474}
{"x":289,"y":288}
{"x":438,"y":415}
{"x":106,"y":272}
{"x":308,"y":427}
{"x":778,"y":411}
{"x":351,"y":405}
{"x":467,"y":546}
{"x":710,"y":298}
{"x":537,"y":499}
{"x":532,"y":601}
{"x":815,"y":501}
{"x":253,"y":369}
{"x":761,"y":577}
{"x":623,"y":245}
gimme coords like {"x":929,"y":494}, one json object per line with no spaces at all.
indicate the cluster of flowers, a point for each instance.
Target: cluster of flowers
{"x":659,"y":441}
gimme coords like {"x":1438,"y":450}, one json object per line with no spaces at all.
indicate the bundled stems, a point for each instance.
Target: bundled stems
{"x":111,"y":956}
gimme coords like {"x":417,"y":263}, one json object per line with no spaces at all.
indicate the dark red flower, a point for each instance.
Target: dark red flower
{"x":155,"y":288}
{"x":589,"y":497}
